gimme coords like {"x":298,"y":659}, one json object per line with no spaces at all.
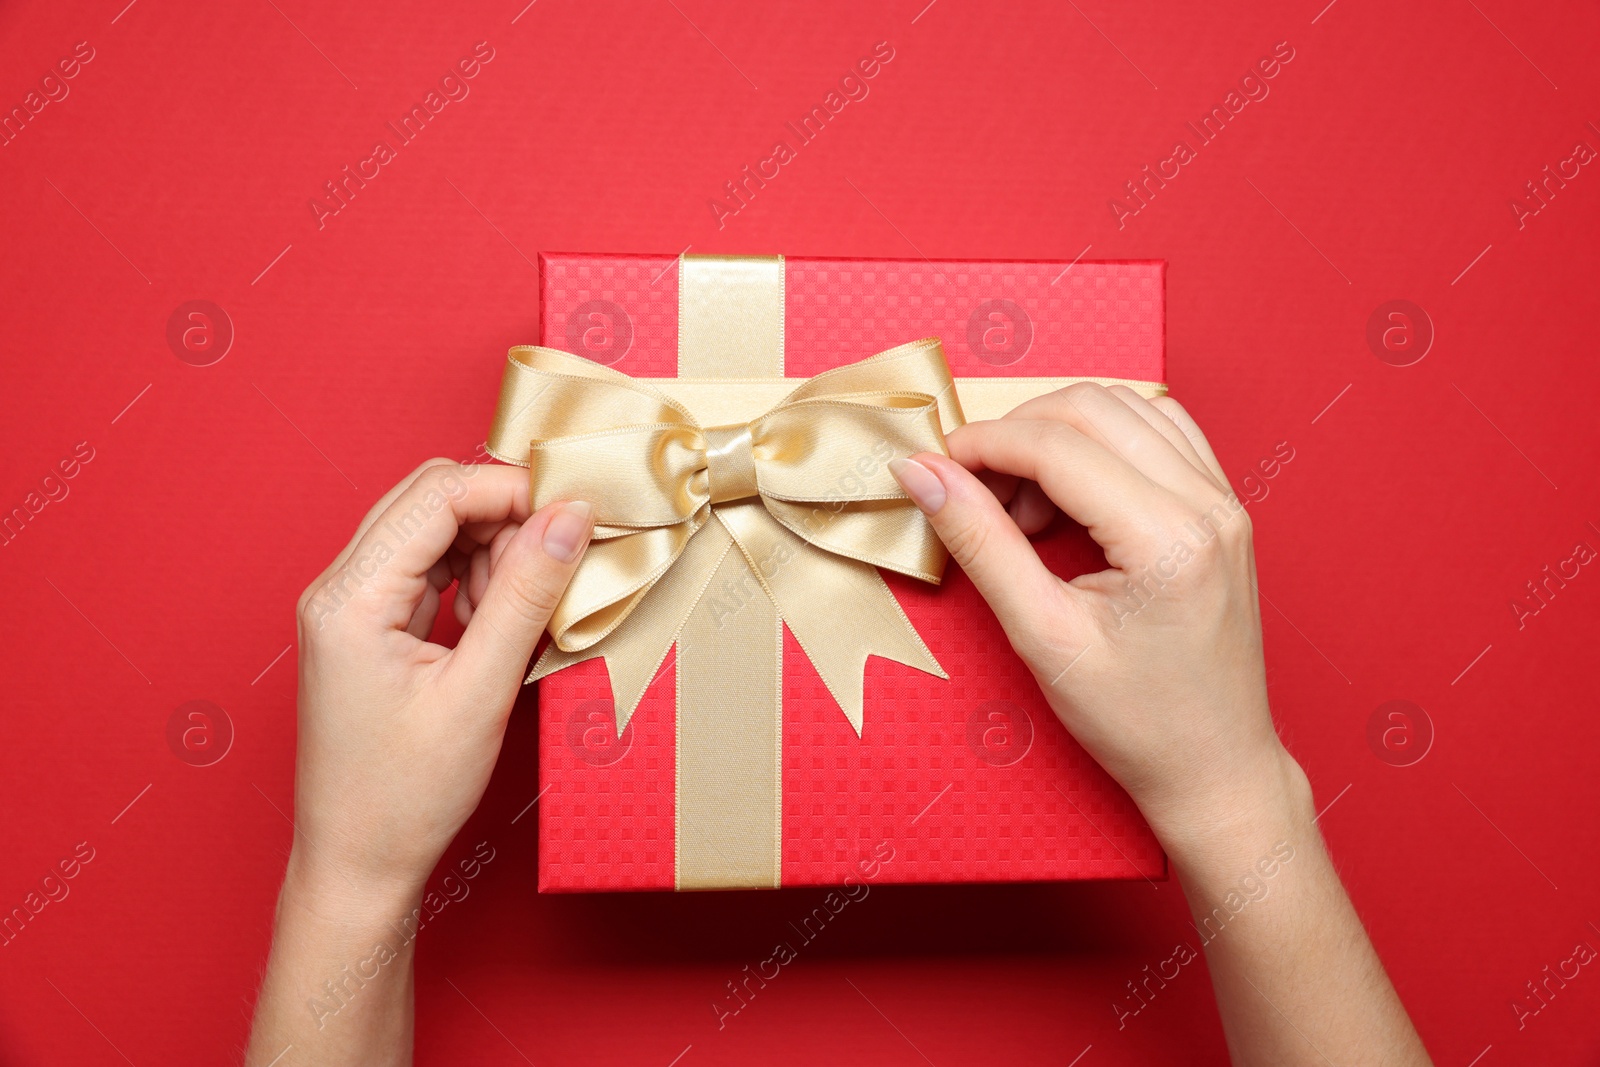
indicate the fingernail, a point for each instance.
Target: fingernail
{"x":568,"y":530}
{"x":921,"y":484}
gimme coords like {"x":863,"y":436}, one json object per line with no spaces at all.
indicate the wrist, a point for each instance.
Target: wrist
{"x":333,"y":894}
{"x":339,"y":984}
{"x":1265,"y":804}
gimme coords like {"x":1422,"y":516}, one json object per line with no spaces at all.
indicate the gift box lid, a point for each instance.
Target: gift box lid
{"x":967,"y":779}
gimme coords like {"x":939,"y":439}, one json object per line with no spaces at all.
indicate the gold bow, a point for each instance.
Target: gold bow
{"x":803,"y":492}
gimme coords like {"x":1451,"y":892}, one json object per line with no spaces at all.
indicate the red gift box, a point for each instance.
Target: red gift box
{"x":970,"y":779}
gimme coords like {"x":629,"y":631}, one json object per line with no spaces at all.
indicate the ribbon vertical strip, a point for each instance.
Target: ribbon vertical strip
{"x":730,"y":316}
{"x":728,"y":818}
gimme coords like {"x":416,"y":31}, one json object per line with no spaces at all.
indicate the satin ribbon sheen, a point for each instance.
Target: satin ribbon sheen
{"x":803,"y":492}
{"x":726,"y":508}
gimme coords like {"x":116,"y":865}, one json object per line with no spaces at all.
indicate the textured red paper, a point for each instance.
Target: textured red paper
{"x":967,"y":780}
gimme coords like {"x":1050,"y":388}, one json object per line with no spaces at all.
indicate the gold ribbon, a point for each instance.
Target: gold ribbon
{"x":715,"y":536}
{"x":803,"y":492}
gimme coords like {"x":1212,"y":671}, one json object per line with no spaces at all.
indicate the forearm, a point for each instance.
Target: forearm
{"x":338,"y":985}
{"x":1296,"y":978}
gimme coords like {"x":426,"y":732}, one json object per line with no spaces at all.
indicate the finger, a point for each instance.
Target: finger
{"x":477,"y":582}
{"x":323,"y":584}
{"x":1003,"y":486}
{"x":422,"y":523}
{"x":427,"y":610}
{"x":483,"y":564}
{"x":462,"y":605}
{"x":422,"y":618}
{"x":496,"y":548}
{"x":1030,"y":508}
{"x":466,"y":602}
{"x":1094,"y":411}
{"x":532,"y":573}
{"x":986,"y":544}
{"x":441,"y":576}
{"x":385,"y":572}
{"x":1122,"y":509}
{"x":1163,"y":426}
{"x":378,"y":509}
{"x":474,"y":534}
{"x":1191,"y":429}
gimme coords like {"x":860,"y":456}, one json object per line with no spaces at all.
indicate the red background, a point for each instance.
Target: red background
{"x":1418,"y":505}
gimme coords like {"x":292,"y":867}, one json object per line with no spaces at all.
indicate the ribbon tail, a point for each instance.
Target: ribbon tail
{"x":839,"y":609}
{"x":634,"y":652}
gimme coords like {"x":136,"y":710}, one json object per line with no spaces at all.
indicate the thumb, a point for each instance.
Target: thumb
{"x":531,"y":574}
{"x":984,"y":541}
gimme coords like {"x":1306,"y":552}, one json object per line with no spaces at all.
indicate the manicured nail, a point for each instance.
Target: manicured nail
{"x":569,"y":530}
{"x":921,"y":484}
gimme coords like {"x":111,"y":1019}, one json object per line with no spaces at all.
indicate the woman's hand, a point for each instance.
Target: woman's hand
{"x":398,"y":736}
{"x":1155,"y":664}
{"x":397,"y":739}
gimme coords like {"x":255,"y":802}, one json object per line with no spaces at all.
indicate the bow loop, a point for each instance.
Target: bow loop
{"x":918,"y":367}
{"x":835,"y":449}
{"x":636,"y":477}
{"x":547,"y":393}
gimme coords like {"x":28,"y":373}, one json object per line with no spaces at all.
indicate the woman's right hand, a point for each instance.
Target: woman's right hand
{"x":1155,"y":664}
